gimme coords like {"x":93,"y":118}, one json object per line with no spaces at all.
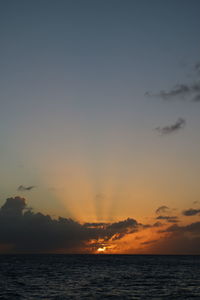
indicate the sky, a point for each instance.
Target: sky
{"x":99,"y":124}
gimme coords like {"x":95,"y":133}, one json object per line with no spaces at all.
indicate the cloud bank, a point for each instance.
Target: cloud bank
{"x":178,"y":240}
{"x":24,"y":231}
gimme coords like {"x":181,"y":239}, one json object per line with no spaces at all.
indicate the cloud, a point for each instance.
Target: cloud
{"x":179,"y":124}
{"x":23,"y":188}
{"x":148,"y":242}
{"x":18,"y":226}
{"x":191,"y":212}
{"x":196,"y":202}
{"x":95,"y":225}
{"x":176,"y":244}
{"x":119,"y":229}
{"x":157,"y":224}
{"x":13,"y":207}
{"x":196,"y":98}
{"x":197,"y":68}
{"x":162,"y":209}
{"x":170,"y":219}
{"x":181,"y":91}
{"x":193,"y":228}
{"x":178,"y":240}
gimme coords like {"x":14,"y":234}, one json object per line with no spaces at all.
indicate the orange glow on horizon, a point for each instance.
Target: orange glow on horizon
{"x":100,"y":250}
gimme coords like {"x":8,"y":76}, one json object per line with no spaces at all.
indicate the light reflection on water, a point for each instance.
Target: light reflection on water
{"x":99,"y":277}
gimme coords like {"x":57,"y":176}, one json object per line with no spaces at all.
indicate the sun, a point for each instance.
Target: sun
{"x":101,"y":249}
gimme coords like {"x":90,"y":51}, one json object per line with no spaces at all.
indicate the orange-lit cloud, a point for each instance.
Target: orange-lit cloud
{"x":18,"y":225}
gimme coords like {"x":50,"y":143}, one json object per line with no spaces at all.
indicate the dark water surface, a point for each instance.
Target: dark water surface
{"x":99,"y":277}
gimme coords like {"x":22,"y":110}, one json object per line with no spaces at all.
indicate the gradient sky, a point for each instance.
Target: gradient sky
{"x":75,"y":120}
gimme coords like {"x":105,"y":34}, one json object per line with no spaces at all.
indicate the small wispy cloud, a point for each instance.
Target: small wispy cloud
{"x":191,"y":212}
{"x":23,"y":188}
{"x":170,"y":219}
{"x":179,"y":124}
{"x":196,"y":202}
{"x":182,"y":91}
{"x":162,"y":209}
{"x":197,"y":68}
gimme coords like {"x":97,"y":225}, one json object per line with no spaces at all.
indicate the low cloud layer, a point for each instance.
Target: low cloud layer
{"x":22,"y":230}
{"x":193,"y":228}
{"x":23,"y":188}
{"x":179,"y":124}
{"x":178,"y":240}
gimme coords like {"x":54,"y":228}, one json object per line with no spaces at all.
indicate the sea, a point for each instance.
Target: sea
{"x":60,"y":277}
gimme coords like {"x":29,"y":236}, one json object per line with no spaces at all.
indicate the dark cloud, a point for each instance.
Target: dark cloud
{"x":179,"y":124}
{"x":162,"y":209}
{"x":190,"y":228}
{"x":95,"y":225}
{"x":157,"y":224}
{"x":170,"y":219}
{"x":196,"y":98}
{"x":25,"y":231}
{"x":119,"y":229}
{"x":178,"y":240}
{"x":176,"y":244}
{"x":23,"y":188}
{"x":13,"y":207}
{"x":191,"y":212}
{"x":149,"y":242}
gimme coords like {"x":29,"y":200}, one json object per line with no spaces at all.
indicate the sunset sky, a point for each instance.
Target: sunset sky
{"x":100,"y":124}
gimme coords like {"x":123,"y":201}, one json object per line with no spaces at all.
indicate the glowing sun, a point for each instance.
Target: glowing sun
{"x":101,"y":249}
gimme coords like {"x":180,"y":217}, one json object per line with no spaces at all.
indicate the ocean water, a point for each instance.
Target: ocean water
{"x":99,"y":277}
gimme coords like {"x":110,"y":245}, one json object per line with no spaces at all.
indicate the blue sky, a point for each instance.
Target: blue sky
{"x":74,"y":118}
